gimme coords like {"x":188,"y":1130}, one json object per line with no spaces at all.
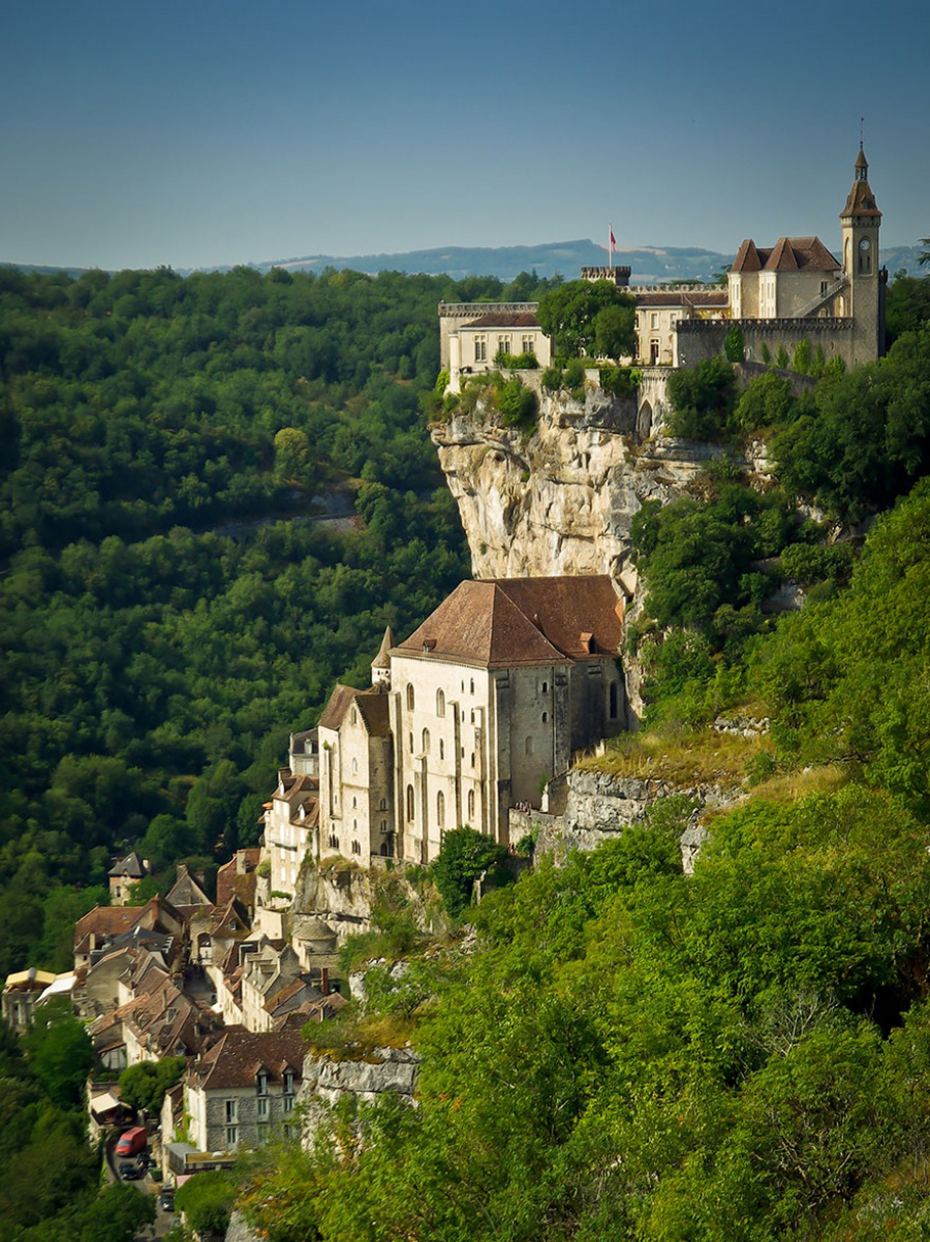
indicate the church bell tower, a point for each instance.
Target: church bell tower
{"x":865,"y":297}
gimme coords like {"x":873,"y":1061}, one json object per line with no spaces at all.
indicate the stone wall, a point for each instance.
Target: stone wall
{"x":600,"y":807}
{"x":699,"y":339}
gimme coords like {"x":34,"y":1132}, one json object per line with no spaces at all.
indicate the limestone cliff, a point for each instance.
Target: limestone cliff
{"x":562,"y":501}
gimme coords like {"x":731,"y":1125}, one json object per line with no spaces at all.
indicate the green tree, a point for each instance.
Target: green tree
{"x":463,"y":857}
{"x":143,"y":1086}
{"x":734,"y":347}
{"x":570,"y":314}
{"x":60,"y":1053}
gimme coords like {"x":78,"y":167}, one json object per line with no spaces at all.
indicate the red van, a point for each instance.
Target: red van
{"x":132,"y":1142}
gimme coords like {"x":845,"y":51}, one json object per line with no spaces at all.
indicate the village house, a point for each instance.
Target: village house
{"x":239,"y":1090}
{"x":124,"y":875}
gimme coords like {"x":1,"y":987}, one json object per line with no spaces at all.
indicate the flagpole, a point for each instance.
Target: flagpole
{"x":610,"y":246}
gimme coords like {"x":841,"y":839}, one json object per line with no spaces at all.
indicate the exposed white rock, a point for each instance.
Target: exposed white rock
{"x":563,"y":500}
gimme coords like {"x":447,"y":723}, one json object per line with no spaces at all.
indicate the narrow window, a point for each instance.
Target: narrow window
{"x":440,"y":703}
{"x":613,"y":703}
{"x":442,"y":749}
{"x":545,"y":717}
{"x":410,"y":696}
{"x":425,"y":741}
{"x":471,"y":804}
{"x":529,"y":745}
{"x":441,"y":809}
{"x":410,"y":803}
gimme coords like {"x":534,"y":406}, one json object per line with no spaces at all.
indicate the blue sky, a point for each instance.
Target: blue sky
{"x":219,"y":131}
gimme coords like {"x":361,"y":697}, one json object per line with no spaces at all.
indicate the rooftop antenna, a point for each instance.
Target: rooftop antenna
{"x":861,"y":130}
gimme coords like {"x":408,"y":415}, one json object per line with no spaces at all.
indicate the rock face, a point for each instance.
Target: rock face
{"x":327,"y":1082}
{"x":562,"y":501}
{"x":599,"y":807}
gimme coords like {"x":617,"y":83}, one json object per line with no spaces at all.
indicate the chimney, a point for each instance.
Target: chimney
{"x":182,"y":871}
{"x":241,"y":866}
{"x":324,"y":980}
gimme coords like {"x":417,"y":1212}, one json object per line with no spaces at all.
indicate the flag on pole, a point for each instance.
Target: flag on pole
{"x":613,"y":240}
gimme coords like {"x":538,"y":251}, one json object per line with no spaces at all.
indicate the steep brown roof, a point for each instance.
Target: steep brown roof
{"x":504,"y":319}
{"x":231,"y":882}
{"x":337,"y":706}
{"x":789,"y":254}
{"x":861,"y":201}
{"x":508,"y":622}
{"x":372,"y":705}
{"x":236,"y":1058}
{"x":747,"y":258}
{"x":568,"y":610}
{"x":104,"y":922}
{"x":373,"y":708}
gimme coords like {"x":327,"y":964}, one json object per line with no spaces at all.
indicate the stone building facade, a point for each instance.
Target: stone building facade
{"x":475,"y":712}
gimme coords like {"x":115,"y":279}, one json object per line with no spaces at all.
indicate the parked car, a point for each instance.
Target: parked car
{"x":166,"y":1199}
{"x":129,"y":1171}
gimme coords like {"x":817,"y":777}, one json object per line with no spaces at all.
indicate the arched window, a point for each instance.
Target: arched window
{"x":441,"y":809}
{"x":545,"y":687}
{"x":529,"y":744}
{"x":471,"y":805}
{"x":442,"y":749}
{"x":384,"y":825}
{"x":613,"y":700}
{"x":353,"y":717}
{"x":545,"y":717}
{"x":440,"y":703}
{"x":425,"y":741}
{"x":354,"y":767}
{"x":410,"y":803}
{"x":410,"y":696}
{"x":471,"y":686}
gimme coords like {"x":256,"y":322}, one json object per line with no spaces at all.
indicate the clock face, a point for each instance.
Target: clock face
{"x":865,"y":244}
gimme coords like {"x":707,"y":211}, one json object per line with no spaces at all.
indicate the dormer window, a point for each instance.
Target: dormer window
{"x":262,"y":1082}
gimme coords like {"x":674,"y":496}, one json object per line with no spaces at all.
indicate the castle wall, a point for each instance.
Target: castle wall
{"x":700,"y":339}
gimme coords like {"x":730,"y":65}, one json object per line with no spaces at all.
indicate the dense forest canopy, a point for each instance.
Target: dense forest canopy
{"x":168,"y":611}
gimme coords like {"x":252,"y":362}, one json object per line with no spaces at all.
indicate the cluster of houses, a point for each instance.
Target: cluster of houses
{"x":188,"y":976}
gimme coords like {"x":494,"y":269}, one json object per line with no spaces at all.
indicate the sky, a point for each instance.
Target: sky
{"x":195,"y":133}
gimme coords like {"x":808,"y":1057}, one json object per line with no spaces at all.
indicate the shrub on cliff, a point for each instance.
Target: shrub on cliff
{"x":703,"y":400}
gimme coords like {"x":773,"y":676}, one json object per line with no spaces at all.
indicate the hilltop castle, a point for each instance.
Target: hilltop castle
{"x":779,"y":296}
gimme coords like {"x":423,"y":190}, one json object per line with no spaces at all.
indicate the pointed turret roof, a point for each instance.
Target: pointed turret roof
{"x":382,"y":659}
{"x":861,"y":201}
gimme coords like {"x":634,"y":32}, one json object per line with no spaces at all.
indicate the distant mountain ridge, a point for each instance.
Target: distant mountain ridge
{"x":650,"y":264}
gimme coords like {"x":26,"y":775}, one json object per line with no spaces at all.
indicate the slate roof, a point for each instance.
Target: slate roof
{"x":789,"y":254}
{"x":382,"y":659}
{"x":132,"y":867}
{"x":509,"y":622}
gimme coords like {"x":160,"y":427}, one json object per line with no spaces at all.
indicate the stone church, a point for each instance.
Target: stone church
{"x":472,"y":714}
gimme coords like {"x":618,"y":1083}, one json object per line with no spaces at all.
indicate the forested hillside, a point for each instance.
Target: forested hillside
{"x":167,"y":610}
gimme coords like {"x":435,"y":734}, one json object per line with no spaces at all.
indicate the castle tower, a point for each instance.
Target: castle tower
{"x":865,"y":296}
